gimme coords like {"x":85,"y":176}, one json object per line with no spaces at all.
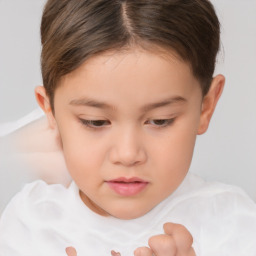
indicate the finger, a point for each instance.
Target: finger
{"x":71,"y":251}
{"x":143,"y":251}
{"x":163,"y":245}
{"x":113,"y":253}
{"x":182,"y":237}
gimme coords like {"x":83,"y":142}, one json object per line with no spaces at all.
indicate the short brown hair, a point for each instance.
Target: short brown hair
{"x":74,"y":30}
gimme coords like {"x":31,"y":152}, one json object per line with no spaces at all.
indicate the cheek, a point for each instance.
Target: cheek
{"x":83,"y":155}
{"x":176,"y":167}
{"x":174,"y":154}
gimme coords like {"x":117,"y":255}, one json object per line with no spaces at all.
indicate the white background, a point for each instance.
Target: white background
{"x":227,"y":152}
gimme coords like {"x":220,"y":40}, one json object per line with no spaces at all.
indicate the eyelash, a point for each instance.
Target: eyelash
{"x":167,"y":122}
{"x":91,"y":123}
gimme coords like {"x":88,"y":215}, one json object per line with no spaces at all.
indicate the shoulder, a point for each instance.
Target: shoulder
{"x":36,"y":198}
{"x":196,"y":203}
{"x":36,"y":207}
{"x":212,"y":198}
{"x":221,"y":217}
{"x":228,"y":217}
{"x":195,"y":186}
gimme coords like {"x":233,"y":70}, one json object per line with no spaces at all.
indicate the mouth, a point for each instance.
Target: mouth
{"x":127,"y":186}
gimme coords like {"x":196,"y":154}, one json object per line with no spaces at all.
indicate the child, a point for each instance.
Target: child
{"x":127,"y":88}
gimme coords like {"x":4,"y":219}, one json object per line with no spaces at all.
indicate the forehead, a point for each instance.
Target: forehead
{"x":130,"y":72}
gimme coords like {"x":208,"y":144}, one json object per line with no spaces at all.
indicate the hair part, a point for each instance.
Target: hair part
{"x":72,"y":31}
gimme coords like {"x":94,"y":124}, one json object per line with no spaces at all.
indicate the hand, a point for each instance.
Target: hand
{"x":177,"y":241}
{"x":71,"y":251}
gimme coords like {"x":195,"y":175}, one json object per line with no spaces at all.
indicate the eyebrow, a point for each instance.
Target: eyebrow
{"x":102,"y":105}
{"x":90,"y":103}
{"x":166,"y":102}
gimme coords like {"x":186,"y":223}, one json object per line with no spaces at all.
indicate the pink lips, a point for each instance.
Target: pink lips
{"x":127,"y":187}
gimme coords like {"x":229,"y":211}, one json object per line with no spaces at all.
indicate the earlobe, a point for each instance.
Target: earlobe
{"x":44,"y":103}
{"x":209,"y":103}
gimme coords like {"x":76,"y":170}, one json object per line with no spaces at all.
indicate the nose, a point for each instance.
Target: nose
{"x":127,"y":149}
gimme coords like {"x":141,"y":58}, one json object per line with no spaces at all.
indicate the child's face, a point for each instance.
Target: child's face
{"x":122,"y":116}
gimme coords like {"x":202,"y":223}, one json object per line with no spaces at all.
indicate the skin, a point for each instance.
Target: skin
{"x":154,"y":144}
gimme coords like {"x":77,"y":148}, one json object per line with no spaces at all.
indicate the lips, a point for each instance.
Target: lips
{"x":127,"y":186}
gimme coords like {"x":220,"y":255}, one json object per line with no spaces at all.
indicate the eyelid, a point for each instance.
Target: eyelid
{"x":168,"y":122}
{"x":89,"y":123}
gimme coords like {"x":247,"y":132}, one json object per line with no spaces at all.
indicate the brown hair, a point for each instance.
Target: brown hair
{"x":74,"y":30}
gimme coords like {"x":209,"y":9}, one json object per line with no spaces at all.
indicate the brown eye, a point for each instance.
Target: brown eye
{"x":95,"y":123}
{"x":161,"y":122}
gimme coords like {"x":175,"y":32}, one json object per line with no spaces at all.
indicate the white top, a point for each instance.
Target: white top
{"x":42,"y":220}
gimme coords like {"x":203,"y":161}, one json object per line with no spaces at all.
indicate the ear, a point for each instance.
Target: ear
{"x":209,"y":103}
{"x":44,"y":102}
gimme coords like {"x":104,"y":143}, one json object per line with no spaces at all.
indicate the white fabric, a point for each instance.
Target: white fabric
{"x":7,"y":128}
{"x":42,"y":220}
